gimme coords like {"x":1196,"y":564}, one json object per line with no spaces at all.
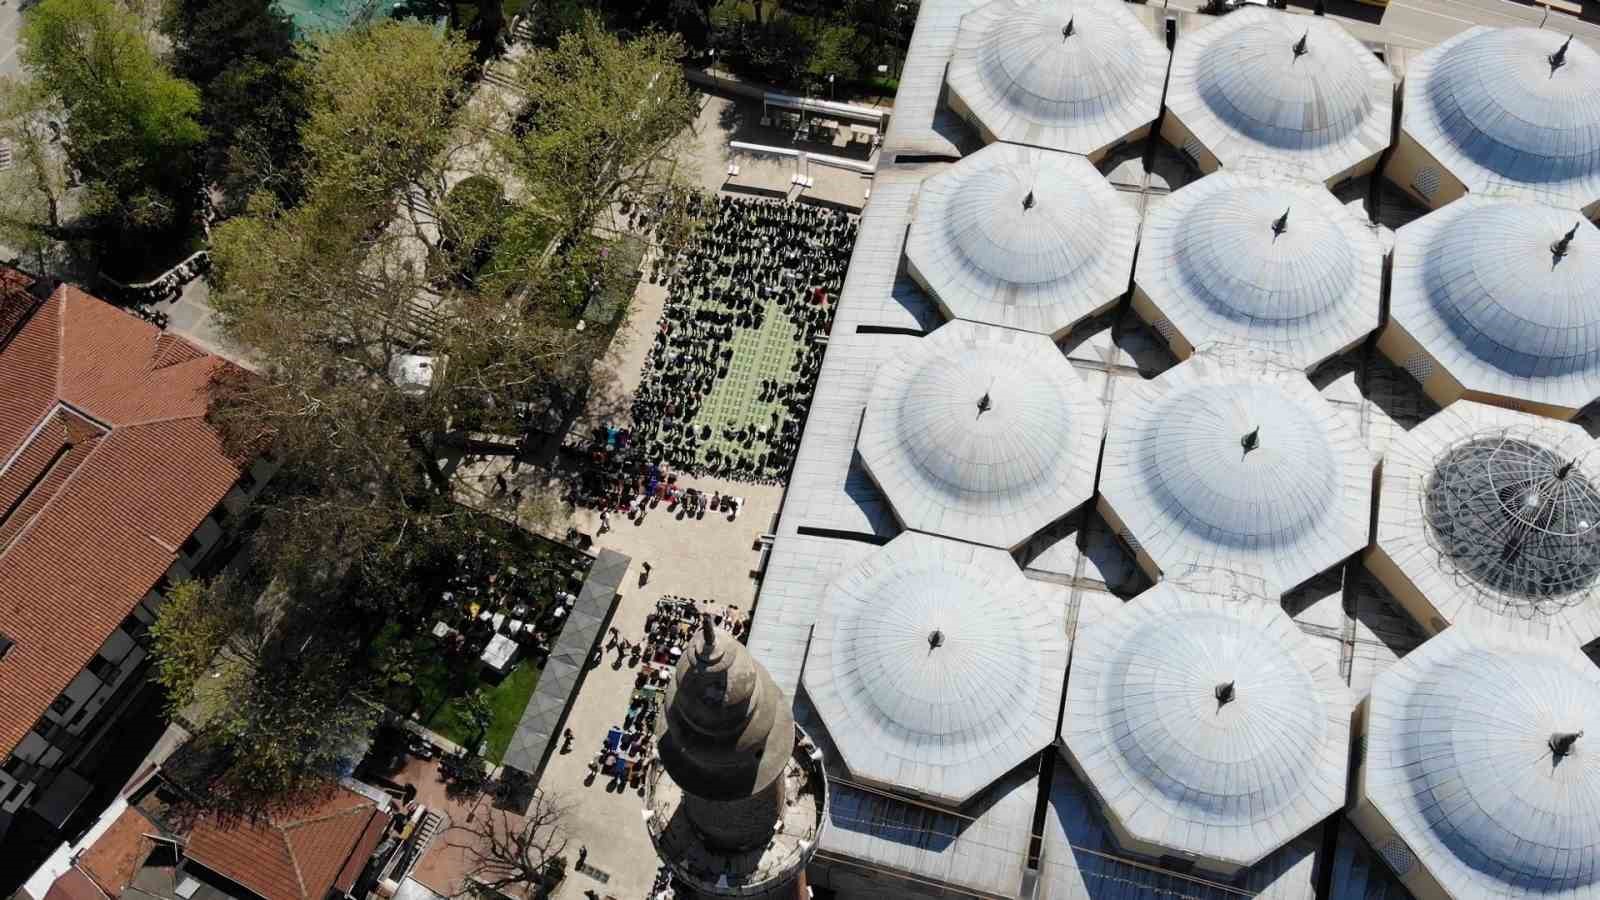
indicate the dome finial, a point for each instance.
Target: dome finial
{"x":984,"y":403}
{"x":1300,"y":45}
{"x":1561,"y":742}
{"x":1069,"y":29}
{"x":1280,"y":225}
{"x":935,"y":639}
{"x":1559,"y":58}
{"x":710,"y":634}
{"x":1027,"y":202}
{"x":1224,"y":693}
{"x":1561,"y":248}
{"x":1252,"y":440}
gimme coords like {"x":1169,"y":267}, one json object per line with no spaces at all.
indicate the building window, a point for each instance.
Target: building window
{"x":247,"y":481}
{"x":5,"y":645}
{"x":135,"y":627}
{"x":191,"y":547}
{"x":1194,"y":148}
{"x":61,"y":704}
{"x":220,"y":513}
{"x":1427,"y":182}
{"x":102,"y":668}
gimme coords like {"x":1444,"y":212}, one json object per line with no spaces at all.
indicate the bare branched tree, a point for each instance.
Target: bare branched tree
{"x":514,"y":855}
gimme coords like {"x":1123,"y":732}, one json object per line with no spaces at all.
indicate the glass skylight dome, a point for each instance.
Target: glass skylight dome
{"x":1024,"y":238}
{"x":1295,"y":92}
{"x":1073,"y":75}
{"x":936,"y":667}
{"x":980,"y":433}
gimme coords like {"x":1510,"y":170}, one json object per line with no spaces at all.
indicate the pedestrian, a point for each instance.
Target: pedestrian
{"x":605,"y":521}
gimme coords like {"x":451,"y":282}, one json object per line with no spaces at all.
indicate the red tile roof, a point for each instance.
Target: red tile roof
{"x":106,"y":467}
{"x":116,"y":856}
{"x":298,"y":855}
{"x":74,"y":885}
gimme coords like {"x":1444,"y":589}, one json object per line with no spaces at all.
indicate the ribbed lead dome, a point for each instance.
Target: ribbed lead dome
{"x":1470,"y":759}
{"x":1496,"y":291}
{"x":936,"y":666}
{"x":980,"y":433}
{"x":1262,"y":261}
{"x":1240,"y":468}
{"x":1020,"y":237}
{"x":1208,"y":725}
{"x":1294,"y":91}
{"x":1494,"y":107}
{"x":1073,"y":75}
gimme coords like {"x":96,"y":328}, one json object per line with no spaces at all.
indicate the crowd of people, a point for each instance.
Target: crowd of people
{"x":751,"y":260}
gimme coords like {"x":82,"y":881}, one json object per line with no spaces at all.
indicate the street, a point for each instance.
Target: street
{"x":10,"y":21}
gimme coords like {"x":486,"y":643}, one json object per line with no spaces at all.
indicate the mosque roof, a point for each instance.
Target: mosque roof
{"x":1479,"y":511}
{"x":1073,"y":75}
{"x":1496,"y":291}
{"x":1494,"y":107}
{"x":1296,"y":92}
{"x":1470,"y":758}
{"x":980,"y":433}
{"x":1260,"y":260}
{"x":1237,"y":464}
{"x":936,"y":667}
{"x":1024,"y":238}
{"x":1208,"y":725}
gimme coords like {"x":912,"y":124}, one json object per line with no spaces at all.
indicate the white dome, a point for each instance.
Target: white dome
{"x":936,"y":667}
{"x":1460,"y":763}
{"x":1444,"y":525}
{"x":1236,"y":468}
{"x":990,"y":473}
{"x":1243,"y":86}
{"x":1491,"y":108}
{"x":1479,"y":286}
{"x":1208,"y":725}
{"x":1026,"y":82}
{"x":1024,"y":238}
{"x":1216,"y":263}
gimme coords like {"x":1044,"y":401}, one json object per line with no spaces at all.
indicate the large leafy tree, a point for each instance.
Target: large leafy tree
{"x":131,"y":125}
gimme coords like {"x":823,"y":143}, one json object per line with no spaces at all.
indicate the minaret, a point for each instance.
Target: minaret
{"x":740,"y":797}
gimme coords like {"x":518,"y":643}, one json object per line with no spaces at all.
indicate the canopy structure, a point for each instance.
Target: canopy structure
{"x":1510,"y":108}
{"x":1296,"y":93}
{"x":936,"y":667}
{"x":1235,"y":465}
{"x":1024,"y":238}
{"x":1482,"y":768}
{"x":980,"y":433}
{"x":1073,"y":75}
{"x":1491,"y":518}
{"x":1500,"y":294}
{"x":1261,"y":261}
{"x":1209,"y":727}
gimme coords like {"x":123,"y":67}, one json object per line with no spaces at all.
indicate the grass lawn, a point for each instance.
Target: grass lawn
{"x":507,"y":699}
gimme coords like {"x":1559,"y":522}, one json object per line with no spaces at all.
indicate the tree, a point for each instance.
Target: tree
{"x":838,"y":52}
{"x":131,"y":125}
{"x":33,"y":192}
{"x":509,"y":854}
{"x":252,"y":88}
{"x":600,"y":121}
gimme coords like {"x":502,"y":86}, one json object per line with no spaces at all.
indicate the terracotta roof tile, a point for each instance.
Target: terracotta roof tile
{"x":116,"y":856}
{"x":100,"y":529}
{"x":298,"y":855}
{"x":74,"y":885}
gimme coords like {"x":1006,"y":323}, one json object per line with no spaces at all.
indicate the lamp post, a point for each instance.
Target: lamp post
{"x":830,"y":87}
{"x":715,"y":78}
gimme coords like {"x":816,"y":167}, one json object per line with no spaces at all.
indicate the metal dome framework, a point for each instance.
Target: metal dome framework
{"x":1477,"y":759}
{"x":980,"y":433}
{"x":1494,"y":108}
{"x":1296,"y":93}
{"x":1208,"y":726}
{"x":1231,"y":461}
{"x":936,"y":667}
{"x":1499,"y":292}
{"x":1071,"y":75}
{"x":1024,"y":238}
{"x":1260,"y":260}
{"x":1488,"y":517}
